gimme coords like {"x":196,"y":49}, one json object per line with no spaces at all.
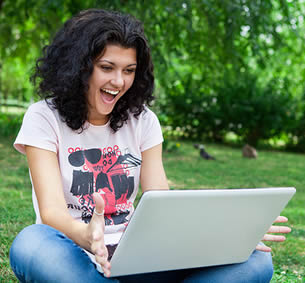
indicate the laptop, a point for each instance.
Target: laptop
{"x":180,"y":229}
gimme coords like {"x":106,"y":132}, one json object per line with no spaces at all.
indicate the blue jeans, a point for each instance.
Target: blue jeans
{"x":42,"y":254}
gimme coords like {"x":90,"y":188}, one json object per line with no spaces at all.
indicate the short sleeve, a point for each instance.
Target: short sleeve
{"x":39,"y":128}
{"x":151,"y":134}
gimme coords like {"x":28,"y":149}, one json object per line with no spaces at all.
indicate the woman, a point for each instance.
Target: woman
{"x":89,"y":143}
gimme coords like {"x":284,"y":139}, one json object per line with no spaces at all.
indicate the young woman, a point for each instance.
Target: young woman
{"x":89,"y":143}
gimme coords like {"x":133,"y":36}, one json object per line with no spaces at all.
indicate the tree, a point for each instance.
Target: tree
{"x":197,"y":47}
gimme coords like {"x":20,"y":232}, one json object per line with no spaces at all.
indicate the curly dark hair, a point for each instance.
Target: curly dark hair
{"x":63,"y":71}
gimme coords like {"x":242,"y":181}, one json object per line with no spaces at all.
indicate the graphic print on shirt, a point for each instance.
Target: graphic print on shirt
{"x":106,"y":172}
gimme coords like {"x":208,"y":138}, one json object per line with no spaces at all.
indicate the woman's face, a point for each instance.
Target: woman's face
{"x":113,"y":74}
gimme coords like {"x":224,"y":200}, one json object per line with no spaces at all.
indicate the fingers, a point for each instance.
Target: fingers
{"x":263,"y":248}
{"x":98,"y":248}
{"x":106,"y":269}
{"x":101,"y":257}
{"x":279,"y":229}
{"x":101,"y":254}
{"x":96,"y":228}
{"x":273,"y":238}
{"x":102,"y":260}
{"x":99,"y":203}
{"x":281,"y":219}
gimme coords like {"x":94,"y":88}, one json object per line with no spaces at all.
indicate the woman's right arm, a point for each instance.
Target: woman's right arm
{"x":46,"y":178}
{"x":47,"y":183}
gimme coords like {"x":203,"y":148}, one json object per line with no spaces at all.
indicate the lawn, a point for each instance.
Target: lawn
{"x":185,"y":169}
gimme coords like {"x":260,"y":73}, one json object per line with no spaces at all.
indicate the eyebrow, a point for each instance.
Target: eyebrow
{"x":104,"y":60}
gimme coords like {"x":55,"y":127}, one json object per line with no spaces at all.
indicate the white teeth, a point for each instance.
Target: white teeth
{"x":113,"y":92}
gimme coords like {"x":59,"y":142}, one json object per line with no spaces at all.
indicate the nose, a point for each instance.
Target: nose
{"x":117,"y":80}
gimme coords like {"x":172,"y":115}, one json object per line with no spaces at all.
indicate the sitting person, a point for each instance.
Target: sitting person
{"x":90,"y":142}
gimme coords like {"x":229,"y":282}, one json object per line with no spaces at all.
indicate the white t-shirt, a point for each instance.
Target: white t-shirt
{"x":96,"y":160}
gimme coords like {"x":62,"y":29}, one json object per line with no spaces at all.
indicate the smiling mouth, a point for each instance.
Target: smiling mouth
{"x":109,"y":95}
{"x":112,"y":92}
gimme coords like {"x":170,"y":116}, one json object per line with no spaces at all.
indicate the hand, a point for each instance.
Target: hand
{"x":275,"y":238}
{"x":96,"y":231}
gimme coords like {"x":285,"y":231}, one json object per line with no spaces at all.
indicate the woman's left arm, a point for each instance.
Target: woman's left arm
{"x":275,"y":238}
{"x":152,"y":172}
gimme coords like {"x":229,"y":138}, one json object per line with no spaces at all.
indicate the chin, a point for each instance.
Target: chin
{"x":105,"y":113}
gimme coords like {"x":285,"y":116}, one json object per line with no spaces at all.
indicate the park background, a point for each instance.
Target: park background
{"x":227,"y":73}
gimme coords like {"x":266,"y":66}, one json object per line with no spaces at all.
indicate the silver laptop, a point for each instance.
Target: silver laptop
{"x":195,"y":228}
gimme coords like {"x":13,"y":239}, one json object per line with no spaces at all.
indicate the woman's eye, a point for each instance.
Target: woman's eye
{"x":130,"y":71}
{"x":106,"y":68}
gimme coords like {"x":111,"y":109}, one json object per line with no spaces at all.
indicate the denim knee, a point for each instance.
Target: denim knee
{"x":40,"y":253}
{"x":260,"y":263}
{"x":24,"y":248}
{"x":257,"y":269}
{"x":21,"y":252}
{"x":25,"y":242}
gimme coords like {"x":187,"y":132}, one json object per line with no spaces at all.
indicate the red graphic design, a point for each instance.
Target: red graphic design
{"x":105,"y":171}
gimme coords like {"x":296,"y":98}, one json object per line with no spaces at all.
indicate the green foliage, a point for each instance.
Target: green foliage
{"x":255,"y":112}
{"x":171,"y":138}
{"x":233,"y":52}
{"x":198,"y":48}
{"x":297,"y":131}
{"x":10,"y":124}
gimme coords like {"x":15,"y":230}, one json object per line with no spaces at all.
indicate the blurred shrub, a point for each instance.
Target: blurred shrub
{"x":296,"y":136}
{"x":240,"y":105}
{"x":189,"y":106}
{"x":10,"y":124}
{"x":171,"y":138}
{"x":256,"y":112}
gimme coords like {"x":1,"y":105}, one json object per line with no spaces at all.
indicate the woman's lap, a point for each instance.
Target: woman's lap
{"x":258,"y":268}
{"x":42,"y":254}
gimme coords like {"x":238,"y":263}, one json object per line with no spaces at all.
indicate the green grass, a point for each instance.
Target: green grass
{"x":15,"y":202}
{"x":185,"y":169}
